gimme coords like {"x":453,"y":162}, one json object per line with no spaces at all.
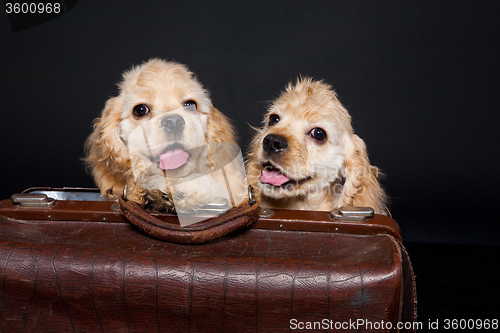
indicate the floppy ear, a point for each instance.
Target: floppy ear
{"x":107,"y":156}
{"x":219,"y":129}
{"x":361,"y":186}
{"x":251,"y":162}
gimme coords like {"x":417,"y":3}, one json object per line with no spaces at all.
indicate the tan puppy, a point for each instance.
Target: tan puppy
{"x":153,"y":137}
{"x":307,"y":157}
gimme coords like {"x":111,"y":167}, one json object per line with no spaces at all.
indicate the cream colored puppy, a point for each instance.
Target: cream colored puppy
{"x":152,"y":139}
{"x":307,"y":157}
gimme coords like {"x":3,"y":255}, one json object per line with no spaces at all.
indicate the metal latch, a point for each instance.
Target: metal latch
{"x":351,"y":214}
{"x":218,"y":206}
{"x":32,"y":200}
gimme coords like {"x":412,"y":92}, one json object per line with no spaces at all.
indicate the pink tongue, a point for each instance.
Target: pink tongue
{"x":273,"y":177}
{"x":173,"y":159}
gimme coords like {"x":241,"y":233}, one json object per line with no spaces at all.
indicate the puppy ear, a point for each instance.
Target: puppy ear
{"x":107,"y":156}
{"x":219,"y":129}
{"x":251,"y":162}
{"x":361,"y":187}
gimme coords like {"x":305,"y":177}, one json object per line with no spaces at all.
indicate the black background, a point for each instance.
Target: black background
{"x":420,"y":79}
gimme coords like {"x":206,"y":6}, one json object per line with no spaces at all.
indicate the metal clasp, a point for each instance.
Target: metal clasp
{"x":263,"y":212}
{"x":251,"y":195}
{"x":351,"y":214}
{"x":32,"y":200}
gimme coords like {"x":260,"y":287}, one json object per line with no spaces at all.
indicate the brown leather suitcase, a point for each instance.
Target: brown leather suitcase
{"x":75,"y":264}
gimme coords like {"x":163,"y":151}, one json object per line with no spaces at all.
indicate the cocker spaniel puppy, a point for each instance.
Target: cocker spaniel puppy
{"x":162,"y":141}
{"x":307,"y":156}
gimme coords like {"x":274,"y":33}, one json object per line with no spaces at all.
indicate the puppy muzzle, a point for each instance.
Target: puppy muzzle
{"x":274,"y":144}
{"x":173,"y":124}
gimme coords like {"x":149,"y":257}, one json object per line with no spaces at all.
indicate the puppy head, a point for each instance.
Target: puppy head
{"x":162,"y":113}
{"x":163,"y":118}
{"x":307,"y":148}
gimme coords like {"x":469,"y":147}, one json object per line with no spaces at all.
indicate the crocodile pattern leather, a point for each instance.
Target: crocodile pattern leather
{"x":109,"y":277}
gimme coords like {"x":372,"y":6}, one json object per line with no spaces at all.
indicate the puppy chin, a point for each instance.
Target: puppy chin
{"x":196,"y":160}
{"x":288,"y":190}
{"x":293,"y":189}
{"x":303,"y":182}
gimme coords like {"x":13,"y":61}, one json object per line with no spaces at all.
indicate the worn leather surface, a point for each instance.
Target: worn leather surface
{"x":208,"y":230}
{"x":109,"y":277}
{"x":408,"y":306}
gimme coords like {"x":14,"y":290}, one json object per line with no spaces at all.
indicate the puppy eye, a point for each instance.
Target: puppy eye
{"x":273,"y":119}
{"x":190,"y":105}
{"x":318,"y":134}
{"x":140,"y":110}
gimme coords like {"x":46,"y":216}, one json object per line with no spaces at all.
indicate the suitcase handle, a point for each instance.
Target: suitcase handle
{"x":201,"y":232}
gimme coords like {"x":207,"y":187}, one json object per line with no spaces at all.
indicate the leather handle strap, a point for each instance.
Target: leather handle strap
{"x":205,"y":231}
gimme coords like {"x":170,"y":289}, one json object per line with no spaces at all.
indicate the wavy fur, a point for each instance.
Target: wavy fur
{"x":164,"y":87}
{"x":323,"y":175}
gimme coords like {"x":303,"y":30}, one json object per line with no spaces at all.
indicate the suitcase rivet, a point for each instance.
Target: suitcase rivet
{"x":281,"y":225}
{"x":265,"y":212}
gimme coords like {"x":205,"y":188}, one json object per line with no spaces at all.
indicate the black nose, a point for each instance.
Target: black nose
{"x":274,"y":144}
{"x":173,"y":124}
